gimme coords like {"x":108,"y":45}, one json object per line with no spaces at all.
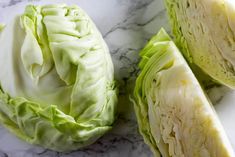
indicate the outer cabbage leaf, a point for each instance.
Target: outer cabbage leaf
{"x":174,"y":115}
{"x":56,"y":81}
{"x":204,"y":31}
{"x":1,"y":27}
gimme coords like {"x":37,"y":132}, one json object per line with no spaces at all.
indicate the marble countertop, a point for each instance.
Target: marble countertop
{"x":126,"y":26}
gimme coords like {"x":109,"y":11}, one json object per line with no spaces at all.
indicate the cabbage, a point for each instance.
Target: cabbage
{"x":57,"y":87}
{"x":204,"y":31}
{"x":1,"y":27}
{"x":174,"y":115}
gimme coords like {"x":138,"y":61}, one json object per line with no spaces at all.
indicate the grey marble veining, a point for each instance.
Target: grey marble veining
{"x":7,"y":3}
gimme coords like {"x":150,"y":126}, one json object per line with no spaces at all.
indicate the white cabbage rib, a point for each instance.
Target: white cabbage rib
{"x":175,"y":117}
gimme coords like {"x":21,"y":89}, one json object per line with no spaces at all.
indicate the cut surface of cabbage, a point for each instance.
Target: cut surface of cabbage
{"x":204,"y":31}
{"x":175,"y":116}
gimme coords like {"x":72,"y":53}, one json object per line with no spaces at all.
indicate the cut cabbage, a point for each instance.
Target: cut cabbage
{"x":174,"y":115}
{"x":204,"y":31}
{"x":56,"y":81}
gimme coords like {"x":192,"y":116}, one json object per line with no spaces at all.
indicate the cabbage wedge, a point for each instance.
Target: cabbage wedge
{"x":57,"y":86}
{"x":204,"y":31}
{"x":174,"y":115}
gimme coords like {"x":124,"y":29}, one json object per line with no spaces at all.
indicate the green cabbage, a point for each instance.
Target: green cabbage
{"x":57,"y":87}
{"x":204,"y":31}
{"x":174,"y":115}
{"x":1,"y":27}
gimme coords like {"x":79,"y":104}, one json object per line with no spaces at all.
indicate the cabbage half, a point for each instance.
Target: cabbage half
{"x":56,"y":80}
{"x":204,"y":31}
{"x":175,"y":117}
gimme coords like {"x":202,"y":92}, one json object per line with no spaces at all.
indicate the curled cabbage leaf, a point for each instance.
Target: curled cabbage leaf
{"x":174,"y":115}
{"x":204,"y":31}
{"x":57,"y":87}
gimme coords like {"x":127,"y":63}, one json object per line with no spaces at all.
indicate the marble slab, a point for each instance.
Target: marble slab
{"x":126,"y":26}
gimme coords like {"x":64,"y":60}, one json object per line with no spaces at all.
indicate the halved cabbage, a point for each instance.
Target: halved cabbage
{"x":56,"y":80}
{"x":175,"y":116}
{"x":204,"y":31}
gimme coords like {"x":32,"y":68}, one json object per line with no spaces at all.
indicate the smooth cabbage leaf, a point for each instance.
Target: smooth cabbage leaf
{"x":174,"y":115}
{"x":57,"y":85}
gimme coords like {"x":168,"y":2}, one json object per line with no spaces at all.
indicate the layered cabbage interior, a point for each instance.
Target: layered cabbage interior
{"x":175,"y":116}
{"x":204,"y":31}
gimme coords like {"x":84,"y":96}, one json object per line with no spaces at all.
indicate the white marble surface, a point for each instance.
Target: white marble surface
{"x":126,"y":26}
